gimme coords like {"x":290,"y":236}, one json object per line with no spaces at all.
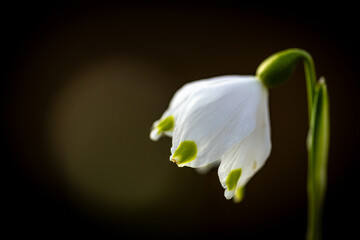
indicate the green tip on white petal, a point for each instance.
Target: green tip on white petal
{"x":233,"y":178}
{"x":165,"y":125}
{"x":239,"y":194}
{"x":186,"y":152}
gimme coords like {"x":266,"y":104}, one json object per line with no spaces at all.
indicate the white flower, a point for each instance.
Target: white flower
{"x":219,"y":120}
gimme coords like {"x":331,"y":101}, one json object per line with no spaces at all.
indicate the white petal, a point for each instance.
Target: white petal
{"x":207,"y":168}
{"x":250,"y":154}
{"x":177,"y":102}
{"x":219,"y":113}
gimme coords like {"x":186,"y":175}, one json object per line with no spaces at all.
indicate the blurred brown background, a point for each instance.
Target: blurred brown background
{"x":83,"y":82}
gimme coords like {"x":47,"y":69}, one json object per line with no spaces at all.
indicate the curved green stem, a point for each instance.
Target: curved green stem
{"x":275,"y":70}
{"x":310,"y":76}
{"x":314,"y":213}
{"x":317,"y":147}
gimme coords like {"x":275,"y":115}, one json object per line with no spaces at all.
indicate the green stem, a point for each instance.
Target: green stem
{"x":315,"y":167}
{"x":318,"y":148}
{"x":310,"y":76}
{"x":275,"y":70}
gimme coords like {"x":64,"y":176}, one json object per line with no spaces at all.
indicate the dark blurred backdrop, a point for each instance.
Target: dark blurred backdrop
{"x":83,"y":81}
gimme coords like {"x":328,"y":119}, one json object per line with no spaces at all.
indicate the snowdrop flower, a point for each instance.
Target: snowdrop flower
{"x":222,"y":120}
{"x":225,"y":121}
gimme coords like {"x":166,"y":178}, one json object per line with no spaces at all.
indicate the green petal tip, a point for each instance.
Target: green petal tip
{"x":165,"y":125}
{"x":186,"y":152}
{"x":232,"y":179}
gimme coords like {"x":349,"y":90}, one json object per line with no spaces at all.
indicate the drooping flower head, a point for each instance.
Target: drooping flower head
{"x":225,"y":120}
{"x":222,"y":120}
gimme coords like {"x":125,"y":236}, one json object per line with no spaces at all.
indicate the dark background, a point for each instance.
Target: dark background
{"x":82,"y":83}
